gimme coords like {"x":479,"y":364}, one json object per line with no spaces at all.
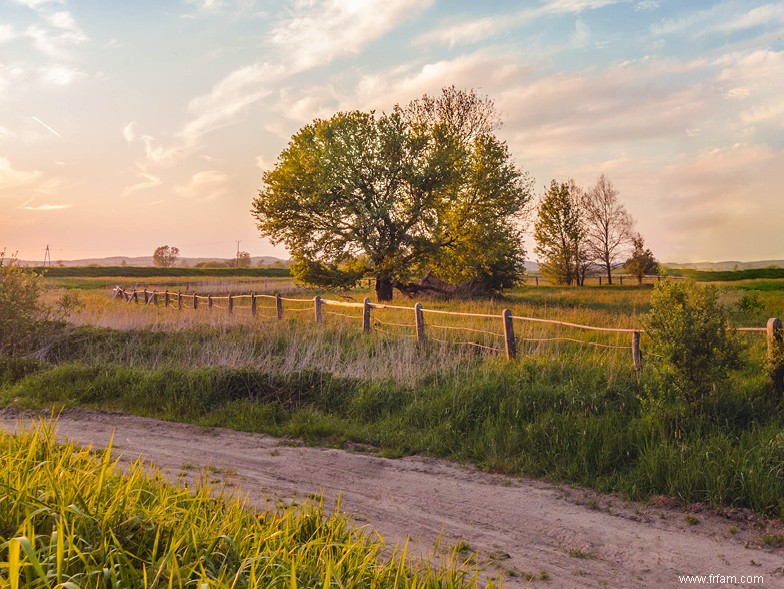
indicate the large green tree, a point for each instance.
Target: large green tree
{"x":394,"y":195}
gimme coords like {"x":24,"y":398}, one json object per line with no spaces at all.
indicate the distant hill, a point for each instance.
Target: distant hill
{"x":145,"y":261}
{"x":725,"y":266}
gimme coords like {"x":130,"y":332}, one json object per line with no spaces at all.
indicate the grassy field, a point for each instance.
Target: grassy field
{"x":568,"y":408}
{"x":71,"y":519}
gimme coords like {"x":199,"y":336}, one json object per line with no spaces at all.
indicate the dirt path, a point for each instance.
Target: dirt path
{"x":518,"y":527}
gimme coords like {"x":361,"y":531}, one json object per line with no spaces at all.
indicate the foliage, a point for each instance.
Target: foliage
{"x":392,"y":195}
{"x":607,"y":223}
{"x":694,"y":346}
{"x":560,"y":234}
{"x":21,"y":313}
{"x":242,"y":260}
{"x":641,"y":263}
{"x":165,"y":256}
{"x":71,"y":519}
{"x":776,"y":356}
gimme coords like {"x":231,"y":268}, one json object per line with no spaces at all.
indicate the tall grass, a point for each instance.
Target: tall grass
{"x":70,"y":519}
{"x":566,"y":410}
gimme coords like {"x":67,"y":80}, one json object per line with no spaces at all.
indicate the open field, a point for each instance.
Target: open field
{"x":568,"y":408}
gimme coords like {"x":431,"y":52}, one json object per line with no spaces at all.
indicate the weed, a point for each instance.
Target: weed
{"x":691,"y":520}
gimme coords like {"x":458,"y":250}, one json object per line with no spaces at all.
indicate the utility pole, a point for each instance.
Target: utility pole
{"x":237,"y":260}
{"x":47,"y":257}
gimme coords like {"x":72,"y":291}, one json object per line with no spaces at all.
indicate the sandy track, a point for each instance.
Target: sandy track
{"x":517,"y":526}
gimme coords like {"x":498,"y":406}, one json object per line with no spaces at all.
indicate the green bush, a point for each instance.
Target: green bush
{"x":693,"y":346}
{"x":21,"y":314}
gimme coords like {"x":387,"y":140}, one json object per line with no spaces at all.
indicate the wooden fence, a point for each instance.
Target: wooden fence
{"x":179,"y":300}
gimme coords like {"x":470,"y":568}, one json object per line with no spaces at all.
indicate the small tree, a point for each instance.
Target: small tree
{"x":243,"y":260}
{"x":642,"y":261}
{"x":165,"y":256}
{"x":693,"y":346}
{"x":608,"y":225}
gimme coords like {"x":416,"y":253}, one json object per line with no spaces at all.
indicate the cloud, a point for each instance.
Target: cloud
{"x":723,"y":18}
{"x":207,"y":180}
{"x":59,"y":75}
{"x":318,"y":31}
{"x":45,"y":207}
{"x":147,"y":181}
{"x":11,"y":178}
{"x":473,"y":31}
{"x":129,"y":132}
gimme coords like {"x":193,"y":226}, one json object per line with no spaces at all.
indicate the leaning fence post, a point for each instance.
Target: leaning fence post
{"x":166,"y":298}
{"x":317,"y":308}
{"x":179,"y":299}
{"x":146,"y":297}
{"x":279,"y":305}
{"x":116,"y":292}
{"x":155,"y":298}
{"x":366,"y":315}
{"x":636,"y":352}
{"x":134,"y":297}
{"x":420,"y":324}
{"x":231,"y":304}
{"x":253,"y":304}
{"x":509,"y":336}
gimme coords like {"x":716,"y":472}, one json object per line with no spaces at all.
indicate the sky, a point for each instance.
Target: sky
{"x":129,"y":125}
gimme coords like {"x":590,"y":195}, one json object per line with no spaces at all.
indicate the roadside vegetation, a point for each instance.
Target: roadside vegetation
{"x":564,"y":410}
{"x":70,"y":518}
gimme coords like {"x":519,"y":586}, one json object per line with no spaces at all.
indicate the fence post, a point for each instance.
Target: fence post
{"x":146,"y":297}
{"x":600,"y":280}
{"x":509,"y":336}
{"x":420,"y":324}
{"x":134,"y":297}
{"x":317,"y":308}
{"x":195,"y":300}
{"x":155,"y":298}
{"x":366,"y":315}
{"x":279,"y":305}
{"x":116,"y":292}
{"x":231,"y":304}
{"x":620,"y":276}
{"x":166,"y":298}
{"x":209,"y":301}
{"x":776,"y":353}
{"x":537,"y":280}
{"x":253,"y":304}
{"x":636,"y":352}
{"x":179,"y":299}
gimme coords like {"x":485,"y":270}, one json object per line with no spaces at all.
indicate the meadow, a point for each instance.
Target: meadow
{"x":568,"y":408}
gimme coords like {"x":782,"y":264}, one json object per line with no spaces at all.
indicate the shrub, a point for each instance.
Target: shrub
{"x":693,"y":346}
{"x":21,"y":314}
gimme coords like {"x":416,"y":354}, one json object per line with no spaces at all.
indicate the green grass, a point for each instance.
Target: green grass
{"x":731,"y":275}
{"x":563,"y":410}
{"x":71,"y":519}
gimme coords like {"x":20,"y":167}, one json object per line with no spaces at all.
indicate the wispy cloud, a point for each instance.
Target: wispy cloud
{"x":724,"y":17}
{"x":207,"y":181}
{"x":12,"y":178}
{"x":129,"y":132}
{"x":45,"y":207}
{"x":147,"y":181}
{"x":473,"y":30}
{"x":319,"y":31}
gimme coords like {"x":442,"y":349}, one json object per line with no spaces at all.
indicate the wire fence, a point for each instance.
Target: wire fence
{"x":499,"y":336}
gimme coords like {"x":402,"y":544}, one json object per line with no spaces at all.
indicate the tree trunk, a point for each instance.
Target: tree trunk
{"x":609,"y":271}
{"x":383,"y":289}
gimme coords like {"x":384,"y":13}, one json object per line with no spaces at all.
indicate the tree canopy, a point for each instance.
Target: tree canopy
{"x":426,"y":188}
{"x":165,"y":256}
{"x":560,"y":234}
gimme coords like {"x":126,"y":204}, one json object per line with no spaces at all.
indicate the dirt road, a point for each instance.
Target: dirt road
{"x":559,"y":536}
